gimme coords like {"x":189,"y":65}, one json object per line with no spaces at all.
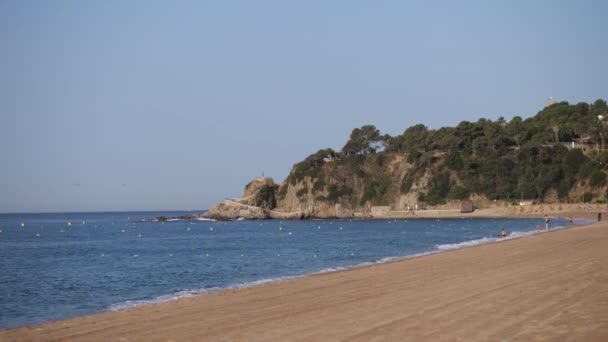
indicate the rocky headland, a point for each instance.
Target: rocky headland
{"x":489,"y":168}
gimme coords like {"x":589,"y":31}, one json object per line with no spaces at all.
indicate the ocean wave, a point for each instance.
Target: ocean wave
{"x":450,"y":246}
{"x":204,"y":219}
{"x":385,"y":260}
{"x":332,"y":269}
{"x":520,"y":234}
{"x":191,"y":293}
{"x":158,"y":299}
{"x":261,"y":281}
{"x":484,"y":240}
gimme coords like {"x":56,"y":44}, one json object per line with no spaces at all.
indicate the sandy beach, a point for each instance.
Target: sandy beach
{"x":546,"y":287}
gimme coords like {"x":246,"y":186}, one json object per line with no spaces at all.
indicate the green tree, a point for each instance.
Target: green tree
{"x":414,"y":138}
{"x":362,"y":140}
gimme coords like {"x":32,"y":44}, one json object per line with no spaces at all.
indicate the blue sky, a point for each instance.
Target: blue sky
{"x":146,"y":105}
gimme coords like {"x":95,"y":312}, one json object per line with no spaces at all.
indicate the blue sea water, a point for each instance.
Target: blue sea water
{"x":63,"y":265}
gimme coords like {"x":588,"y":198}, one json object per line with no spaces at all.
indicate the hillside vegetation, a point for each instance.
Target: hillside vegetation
{"x":557,"y":155}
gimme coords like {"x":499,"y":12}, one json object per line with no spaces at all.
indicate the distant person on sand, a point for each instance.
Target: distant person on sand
{"x":503,"y":233}
{"x":546,"y":222}
{"x":599,"y":217}
{"x":570,"y":219}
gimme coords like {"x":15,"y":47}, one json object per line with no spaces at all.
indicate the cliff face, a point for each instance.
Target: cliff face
{"x":372,"y":184}
{"x":351,"y":186}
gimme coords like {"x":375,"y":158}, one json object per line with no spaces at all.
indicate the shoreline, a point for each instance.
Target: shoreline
{"x":23,"y":332}
{"x":188,"y":293}
{"x":384,"y":260}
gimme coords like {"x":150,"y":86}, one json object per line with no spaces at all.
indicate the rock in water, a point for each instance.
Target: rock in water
{"x":259,"y":197}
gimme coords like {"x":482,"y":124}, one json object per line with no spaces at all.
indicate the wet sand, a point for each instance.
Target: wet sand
{"x":546,"y":287}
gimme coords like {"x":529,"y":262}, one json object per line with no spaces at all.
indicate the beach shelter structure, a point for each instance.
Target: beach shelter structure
{"x":466,"y":206}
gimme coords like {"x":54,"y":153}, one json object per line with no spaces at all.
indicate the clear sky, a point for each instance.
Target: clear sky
{"x":145,"y":105}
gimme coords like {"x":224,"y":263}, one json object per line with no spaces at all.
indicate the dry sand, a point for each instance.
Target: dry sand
{"x":538,"y":210}
{"x":547,"y":287}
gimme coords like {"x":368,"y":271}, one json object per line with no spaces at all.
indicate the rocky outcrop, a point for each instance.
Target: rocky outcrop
{"x":230,"y":210}
{"x":258,"y":199}
{"x":363,"y":186}
{"x":292,"y":215}
{"x":260,"y":192}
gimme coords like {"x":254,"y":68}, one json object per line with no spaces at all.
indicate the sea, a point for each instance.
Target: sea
{"x":62,"y":265}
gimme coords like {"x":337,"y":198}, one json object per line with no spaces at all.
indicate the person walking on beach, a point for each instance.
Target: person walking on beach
{"x":599,"y":217}
{"x":503,"y":233}
{"x":546,"y":222}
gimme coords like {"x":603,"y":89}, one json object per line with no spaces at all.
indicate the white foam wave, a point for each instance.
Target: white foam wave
{"x":449,"y":246}
{"x":262,"y":281}
{"x":190,"y":293}
{"x":332,"y":269}
{"x":159,"y":299}
{"x":385,"y":260}
{"x":484,"y":240}
{"x":520,"y":234}
{"x":204,"y":219}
